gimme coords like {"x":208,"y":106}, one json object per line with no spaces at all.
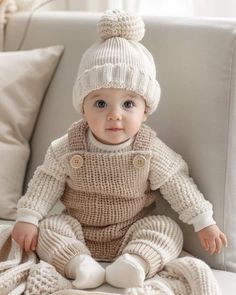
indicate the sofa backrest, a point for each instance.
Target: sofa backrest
{"x":195,"y":61}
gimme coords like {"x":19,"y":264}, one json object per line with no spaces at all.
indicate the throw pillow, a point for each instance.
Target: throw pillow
{"x":24,"y":79}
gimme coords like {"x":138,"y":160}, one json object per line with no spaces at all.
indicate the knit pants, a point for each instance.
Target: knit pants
{"x":157,"y":239}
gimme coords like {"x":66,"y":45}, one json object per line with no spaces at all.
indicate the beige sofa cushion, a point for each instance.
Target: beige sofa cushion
{"x":24,"y":78}
{"x":196,"y":117}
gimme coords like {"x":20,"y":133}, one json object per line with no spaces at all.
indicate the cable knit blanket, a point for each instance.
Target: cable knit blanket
{"x":22,"y":273}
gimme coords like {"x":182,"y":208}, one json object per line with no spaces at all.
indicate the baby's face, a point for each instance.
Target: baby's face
{"x":114,"y":115}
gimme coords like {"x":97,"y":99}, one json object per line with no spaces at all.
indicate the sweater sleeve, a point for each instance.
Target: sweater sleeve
{"x":179,"y":189}
{"x":44,"y":189}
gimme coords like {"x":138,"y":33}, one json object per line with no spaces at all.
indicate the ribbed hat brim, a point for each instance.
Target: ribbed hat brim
{"x":117,"y":76}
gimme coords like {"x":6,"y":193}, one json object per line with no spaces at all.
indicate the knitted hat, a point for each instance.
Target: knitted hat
{"x":119,"y":60}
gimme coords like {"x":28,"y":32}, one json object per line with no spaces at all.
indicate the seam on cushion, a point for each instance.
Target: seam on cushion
{"x":229,"y":149}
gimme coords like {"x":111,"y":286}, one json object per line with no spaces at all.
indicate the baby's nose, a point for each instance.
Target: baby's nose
{"x":114,"y":114}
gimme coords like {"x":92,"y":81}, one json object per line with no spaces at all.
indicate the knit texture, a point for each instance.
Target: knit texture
{"x":116,"y":23}
{"x":102,"y":204}
{"x":187,"y":207}
{"x":182,"y":276}
{"x":19,"y":273}
{"x":197,"y":274}
{"x":91,"y":194}
{"x":119,"y":60}
{"x":95,"y":146}
{"x":60,"y":239}
{"x":14,"y":264}
{"x":43,"y":279}
{"x":157,"y":239}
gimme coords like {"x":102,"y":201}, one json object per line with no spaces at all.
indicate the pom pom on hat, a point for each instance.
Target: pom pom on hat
{"x":117,"y":23}
{"x":119,"y":60}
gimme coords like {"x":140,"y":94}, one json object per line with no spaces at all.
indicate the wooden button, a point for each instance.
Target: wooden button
{"x":76,"y":161}
{"x":139,"y":161}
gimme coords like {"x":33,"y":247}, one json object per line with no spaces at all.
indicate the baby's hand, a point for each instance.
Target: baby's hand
{"x":26,"y":235}
{"x":211,"y":239}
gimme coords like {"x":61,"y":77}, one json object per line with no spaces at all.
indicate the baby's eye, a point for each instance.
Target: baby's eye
{"x":128,"y":104}
{"x":100,"y":103}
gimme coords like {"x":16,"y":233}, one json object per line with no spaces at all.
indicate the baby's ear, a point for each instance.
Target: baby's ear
{"x":82,"y":111}
{"x":145,"y":115}
{"x":83,"y":116}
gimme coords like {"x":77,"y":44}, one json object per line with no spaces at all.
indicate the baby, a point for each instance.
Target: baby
{"x":105,"y":170}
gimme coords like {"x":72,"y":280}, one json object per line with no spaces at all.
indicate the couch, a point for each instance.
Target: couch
{"x":196,"y":66}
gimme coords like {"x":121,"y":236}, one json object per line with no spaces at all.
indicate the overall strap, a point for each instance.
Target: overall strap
{"x":144,"y":138}
{"x":77,"y":136}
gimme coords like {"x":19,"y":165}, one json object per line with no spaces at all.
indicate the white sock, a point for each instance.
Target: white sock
{"x":86,"y":272}
{"x":127,"y":271}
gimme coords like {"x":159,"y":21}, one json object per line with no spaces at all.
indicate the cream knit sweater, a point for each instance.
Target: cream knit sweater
{"x":77,"y":168}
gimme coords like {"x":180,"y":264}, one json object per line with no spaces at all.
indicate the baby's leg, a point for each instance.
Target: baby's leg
{"x":61,"y":243}
{"x":150,"y":243}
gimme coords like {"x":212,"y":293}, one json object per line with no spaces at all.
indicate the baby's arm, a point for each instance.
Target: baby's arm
{"x":185,"y":198}
{"x":212,"y":238}
{"x":169,"y":173}
{"x":26,"y":235}
{"x":44,"y":189}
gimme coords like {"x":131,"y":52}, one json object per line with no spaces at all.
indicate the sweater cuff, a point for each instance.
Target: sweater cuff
{"x":202,"y":220}
{"x":29,"y":216}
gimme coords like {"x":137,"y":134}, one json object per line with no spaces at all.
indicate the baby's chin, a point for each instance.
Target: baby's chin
{"x":111,"y":142}
{"x":114,"y":142}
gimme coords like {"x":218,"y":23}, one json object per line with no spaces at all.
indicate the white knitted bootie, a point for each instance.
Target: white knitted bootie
{"x":127,"y":271}
{"x":85,"y":271}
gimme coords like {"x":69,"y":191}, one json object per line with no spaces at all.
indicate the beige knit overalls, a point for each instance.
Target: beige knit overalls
{"x":106,"y":197}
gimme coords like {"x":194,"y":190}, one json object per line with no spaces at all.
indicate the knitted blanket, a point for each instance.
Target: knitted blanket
{"x":22,"y":273}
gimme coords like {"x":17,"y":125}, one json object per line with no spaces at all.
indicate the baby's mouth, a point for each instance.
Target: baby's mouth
{"x":115,"y":129}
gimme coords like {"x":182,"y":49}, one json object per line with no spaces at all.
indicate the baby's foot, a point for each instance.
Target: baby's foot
{"x":86,"y":271}
{"x":127,"y":271}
